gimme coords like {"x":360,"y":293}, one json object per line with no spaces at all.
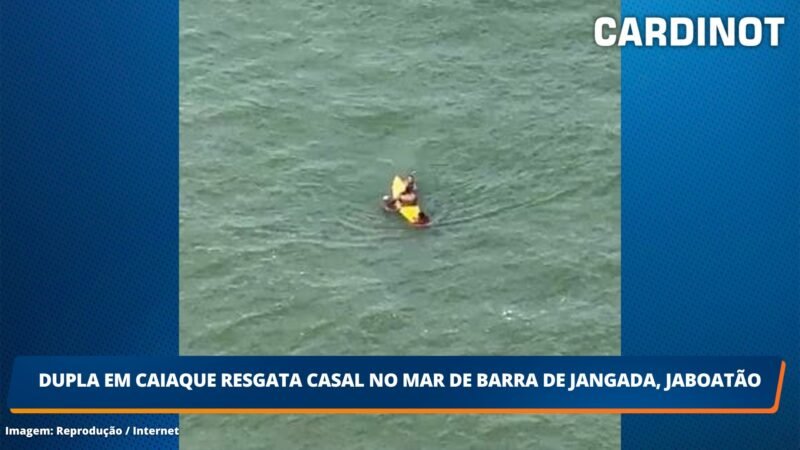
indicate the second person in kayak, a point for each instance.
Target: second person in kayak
{"x":409,"y":196}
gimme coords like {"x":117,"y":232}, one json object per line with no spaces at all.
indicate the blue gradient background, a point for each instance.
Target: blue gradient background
{"x":711,"y":215}
{"x":88,"y":193}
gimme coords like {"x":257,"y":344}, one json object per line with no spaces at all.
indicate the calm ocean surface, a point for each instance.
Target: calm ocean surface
{"x":294,"y":118}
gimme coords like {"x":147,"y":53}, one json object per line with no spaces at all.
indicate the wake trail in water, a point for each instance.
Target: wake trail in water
{"x":498,"y":211}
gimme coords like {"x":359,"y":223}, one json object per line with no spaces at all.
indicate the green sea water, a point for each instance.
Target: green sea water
{"x":294,"y":118}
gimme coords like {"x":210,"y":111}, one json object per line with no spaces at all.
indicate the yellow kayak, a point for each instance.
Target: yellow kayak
{"x":411,"y":212}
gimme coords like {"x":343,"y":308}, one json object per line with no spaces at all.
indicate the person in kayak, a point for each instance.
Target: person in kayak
{"x":411,"y":183}
{"x":409,"y":196}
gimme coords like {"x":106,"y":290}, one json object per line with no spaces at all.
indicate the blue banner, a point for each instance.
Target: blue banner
{"x":89,"y":187}
{"x":396,"y":384}
{"x":711,"y":177}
